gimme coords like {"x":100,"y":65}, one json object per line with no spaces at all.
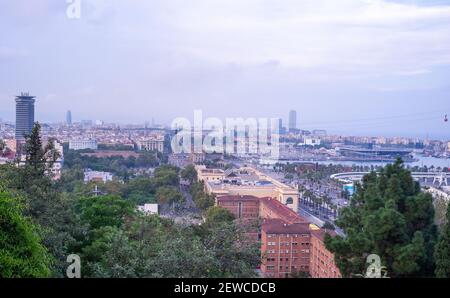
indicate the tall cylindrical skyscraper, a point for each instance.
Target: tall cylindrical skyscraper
{"x":24,"y":115}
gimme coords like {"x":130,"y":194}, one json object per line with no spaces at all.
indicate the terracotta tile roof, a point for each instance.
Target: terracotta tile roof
{"x":278,"y":226}
{"x":320,"y":234}
{"x":277,"y":208}
{"x":282,"y":211}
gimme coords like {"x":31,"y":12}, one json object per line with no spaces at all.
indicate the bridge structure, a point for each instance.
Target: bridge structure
{"x":436,"y":178}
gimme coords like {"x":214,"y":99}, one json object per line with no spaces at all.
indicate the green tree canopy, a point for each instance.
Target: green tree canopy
{"x":328,"y":226}
{"x":39,"y":158}
{"x":166,"y":176}
{"x":104,"y":211}
{"x":201,"y":199}
{"x":169,"y":195}
{"x":442,"y":250}
{"x":21,"y":251}
{"x":217,"y":215}
{"x":189,"y":173}
{"x":388,"y":216}
{"x":155,"y":247}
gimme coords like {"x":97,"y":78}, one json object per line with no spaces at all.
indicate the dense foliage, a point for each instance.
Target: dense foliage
{"x":442,"y":250}
{"x":189,"y":173}
{"x":200,"y":197}
{"x":21,"y":251}
{"x":64,"y":217}
{"x":388,"y":216}
{"x":218,"y":214}
{"x":117,"y":165}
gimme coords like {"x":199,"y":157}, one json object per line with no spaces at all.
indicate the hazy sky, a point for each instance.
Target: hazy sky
{"x":351,"y":66}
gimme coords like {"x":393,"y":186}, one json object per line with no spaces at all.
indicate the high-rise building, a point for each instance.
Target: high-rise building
{"x":69,"y":118}
{"x":292,"y":120}
{"x":24,"y":115}
{"x":280,"y":123}
{"x":281,"y":129}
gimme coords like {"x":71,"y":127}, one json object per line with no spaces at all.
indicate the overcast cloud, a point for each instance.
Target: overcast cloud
{"x":353,"y":66}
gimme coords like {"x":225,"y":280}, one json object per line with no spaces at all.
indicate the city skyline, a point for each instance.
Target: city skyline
{"x":363,"y":67}
{"x":292,"y":117}
{"x":223,"y":145}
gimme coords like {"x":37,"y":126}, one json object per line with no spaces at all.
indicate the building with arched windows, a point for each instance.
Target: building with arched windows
{"x":247,"y":181}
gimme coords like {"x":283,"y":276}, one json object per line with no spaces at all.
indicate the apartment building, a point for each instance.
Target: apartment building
{"x":322,"y":264}
{"x":289,"y":243}
{"x":285,"y":248}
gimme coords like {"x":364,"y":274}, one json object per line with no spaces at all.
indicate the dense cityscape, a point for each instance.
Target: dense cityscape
{"x":286,"y":206}
{"x":225,"y":147}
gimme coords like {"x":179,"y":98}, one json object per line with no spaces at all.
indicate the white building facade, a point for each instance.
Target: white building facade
{"x":83,"y":144}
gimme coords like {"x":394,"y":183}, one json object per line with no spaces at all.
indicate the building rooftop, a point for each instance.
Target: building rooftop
{"x":278,"y":226}
{"x":282,"y":211}
{"x":277,"y":208}
{"x":212,"y":171}
{"x":320,"y":233}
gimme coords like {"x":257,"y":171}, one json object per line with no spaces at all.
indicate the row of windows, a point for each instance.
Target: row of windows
{"x":281,"y":251}
{"x":288,"y":235}
{"x":286,"y":268}
{"x":325,"y":263}
{"x":213,"y":178}
{"x":320,"y":254}
{"x":272,"y":268}
{"x":288,"y":243}
{"x":323,"y":254}
{"x":325,"y":272}
{"x":281,"y":259}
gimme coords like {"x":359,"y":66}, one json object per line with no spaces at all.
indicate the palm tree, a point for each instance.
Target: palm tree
{"x":319,"y":204}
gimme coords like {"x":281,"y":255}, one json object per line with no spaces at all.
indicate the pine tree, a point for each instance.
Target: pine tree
{"x":45,"y":206}
{"x":38,"y":159}
{"x":390,"y":217}
{"x":33,"y":149}
{"x":442,"y":252}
